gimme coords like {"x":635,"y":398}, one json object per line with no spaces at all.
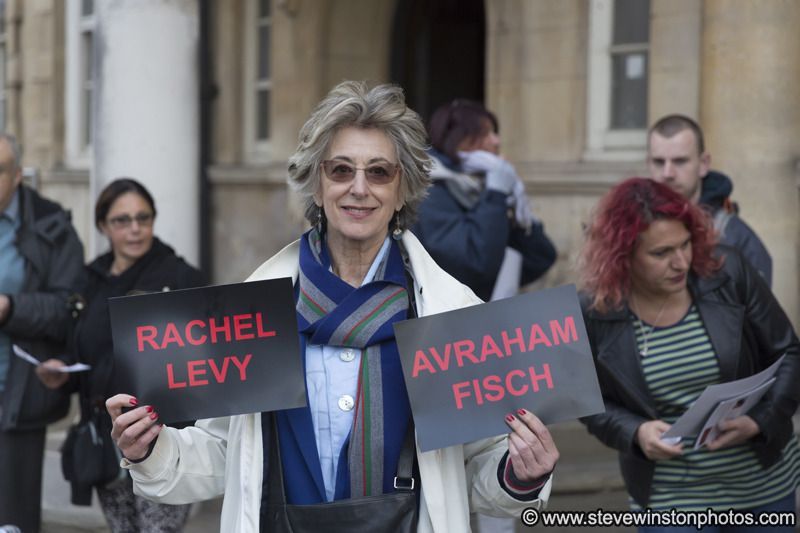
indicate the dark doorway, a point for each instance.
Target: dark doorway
{"x":439,"y":51}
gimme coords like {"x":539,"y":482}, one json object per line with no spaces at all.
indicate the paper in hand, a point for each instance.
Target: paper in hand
{"x":25,"y":356}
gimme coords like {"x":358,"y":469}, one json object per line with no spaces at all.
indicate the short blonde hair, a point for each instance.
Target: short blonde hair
{"x":355,"y":104}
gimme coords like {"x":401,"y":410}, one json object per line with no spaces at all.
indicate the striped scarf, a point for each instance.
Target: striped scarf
{"x":332,"y":312}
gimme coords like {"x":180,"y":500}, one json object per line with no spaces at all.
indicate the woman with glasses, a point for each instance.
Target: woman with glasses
{"x":669,"y":314}
{"x":138,"y":262}
{"x":348,"y":461}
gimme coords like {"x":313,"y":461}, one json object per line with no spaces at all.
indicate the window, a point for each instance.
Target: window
{"x":80,"y":33}
{"x":3,"y":55}
{"x":258,"y":83}
{"x":619,"y":42}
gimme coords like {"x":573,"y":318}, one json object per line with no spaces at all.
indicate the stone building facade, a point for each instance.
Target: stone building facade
{"x":211,"y":94}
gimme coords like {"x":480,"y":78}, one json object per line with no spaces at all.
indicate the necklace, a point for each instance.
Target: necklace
{"x":646,"y":334}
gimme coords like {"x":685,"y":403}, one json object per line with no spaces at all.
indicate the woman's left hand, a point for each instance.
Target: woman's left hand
{"x":49,"y":374}
{"x":531,"y":449}
{"x":734,"y":431}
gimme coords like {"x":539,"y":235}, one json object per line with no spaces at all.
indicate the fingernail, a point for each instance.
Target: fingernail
{"x":509,"y":418}
{"x":153,"y":416}
{"x":149,"y":408}
{"x":133,"y":402}
{"x":521,"y":412}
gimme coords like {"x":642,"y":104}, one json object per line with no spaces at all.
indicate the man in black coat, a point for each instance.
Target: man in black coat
{"x":41,"y":262}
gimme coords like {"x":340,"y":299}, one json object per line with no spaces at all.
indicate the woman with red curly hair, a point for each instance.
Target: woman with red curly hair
{"x":669,"y":313}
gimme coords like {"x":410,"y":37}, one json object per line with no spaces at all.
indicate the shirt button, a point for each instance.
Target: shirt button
{"x":347,"y":355}
{"x":346,"y":402}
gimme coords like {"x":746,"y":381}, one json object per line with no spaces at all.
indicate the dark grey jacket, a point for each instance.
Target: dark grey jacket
{"x":40,"y":317}
{"x":748,"y":330}
{"x":733,"y":231}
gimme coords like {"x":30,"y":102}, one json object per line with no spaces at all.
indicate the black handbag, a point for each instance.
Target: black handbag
{"x":89,"y":457}
{"x":386,"y":513}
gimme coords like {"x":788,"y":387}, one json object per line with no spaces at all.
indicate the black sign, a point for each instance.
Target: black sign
{"x":210,"y":352}
{"x":465,"y":370}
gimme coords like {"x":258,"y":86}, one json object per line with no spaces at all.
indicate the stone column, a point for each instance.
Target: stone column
{"x":749,"y":110}
{"x":146,"y":109}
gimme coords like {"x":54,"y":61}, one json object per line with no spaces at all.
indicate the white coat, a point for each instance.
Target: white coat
{"x":224,"y":456}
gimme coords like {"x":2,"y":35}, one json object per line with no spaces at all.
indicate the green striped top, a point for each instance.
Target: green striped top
{"x":680,"y":363}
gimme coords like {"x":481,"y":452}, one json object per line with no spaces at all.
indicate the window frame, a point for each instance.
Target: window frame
{"x":78,"y":111}
{"x":257,"y":151}
{"x":602,"y":142}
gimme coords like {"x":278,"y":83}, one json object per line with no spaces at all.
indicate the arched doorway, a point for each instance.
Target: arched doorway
{"x":439,"y":51}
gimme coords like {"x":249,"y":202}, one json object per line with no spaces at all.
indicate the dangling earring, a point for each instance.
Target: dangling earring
{"x":320,"y":221}
{"x":397,"y":232}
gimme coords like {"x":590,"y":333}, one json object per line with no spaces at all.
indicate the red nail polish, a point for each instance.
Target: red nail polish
{"x":149,"y":408}
{"x":153,"y":416}
{"x":133,"y":402}
{"x":521,"y":412}
{"x":509,"y":418}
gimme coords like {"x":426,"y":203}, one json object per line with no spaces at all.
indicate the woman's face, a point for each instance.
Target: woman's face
{"x":359,"y":209}
{"x":489,"y":141}
{"x":129,"y":227}
{"x":661,"y":259}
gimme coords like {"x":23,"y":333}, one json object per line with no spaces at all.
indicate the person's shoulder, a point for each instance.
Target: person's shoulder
{"x":48,"y":218}
{"x":284,"y":264}
{"x":40,"y":206}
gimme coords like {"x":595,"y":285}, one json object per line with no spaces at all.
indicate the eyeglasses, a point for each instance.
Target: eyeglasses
{"x":377,"y":174}
{"x":125,"y":221}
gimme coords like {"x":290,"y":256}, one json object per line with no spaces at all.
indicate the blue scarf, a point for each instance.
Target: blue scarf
{"x":332,"y":312}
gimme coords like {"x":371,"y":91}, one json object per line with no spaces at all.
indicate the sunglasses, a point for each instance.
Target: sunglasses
{"x":342,"y":171}
{"x":125,"y":221}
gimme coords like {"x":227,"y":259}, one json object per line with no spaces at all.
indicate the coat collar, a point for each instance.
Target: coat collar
{"x":724,"y":321}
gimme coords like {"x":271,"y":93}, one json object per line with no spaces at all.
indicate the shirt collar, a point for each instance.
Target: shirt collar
{"x":12,"y":211}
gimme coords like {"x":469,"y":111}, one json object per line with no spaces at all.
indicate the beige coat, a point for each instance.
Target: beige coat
{"x":225,"y":455}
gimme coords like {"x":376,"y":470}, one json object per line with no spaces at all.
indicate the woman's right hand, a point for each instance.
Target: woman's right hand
{"x":135,"y":430}
{"x":648,"y":436}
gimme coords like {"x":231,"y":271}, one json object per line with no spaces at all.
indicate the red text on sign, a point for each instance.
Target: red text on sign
{"x":493,"y":388}
{"x":197,"y":373}
{"x":198,"y":332}
{"x":466,"y":351}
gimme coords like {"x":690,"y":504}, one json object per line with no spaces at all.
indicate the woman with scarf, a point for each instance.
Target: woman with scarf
{"x":137,"y":263}
{"x":361,"y":168}
{"x":669,"y":314}
{"x":477,"y":222}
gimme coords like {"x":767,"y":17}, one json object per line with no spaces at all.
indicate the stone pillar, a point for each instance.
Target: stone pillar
{"x":749,"y":110}
{"x":146,"y":110}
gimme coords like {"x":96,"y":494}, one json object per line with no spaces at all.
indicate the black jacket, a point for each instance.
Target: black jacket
{"x":469,"y":241}
{"x":40,"y":318}
{"x":160,"y":269}
{"x":748,"y":330}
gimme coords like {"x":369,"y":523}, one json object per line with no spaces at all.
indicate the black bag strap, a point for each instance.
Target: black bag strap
{"x":404,"y":480}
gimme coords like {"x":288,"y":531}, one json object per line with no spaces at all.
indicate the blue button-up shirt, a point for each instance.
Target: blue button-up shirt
{"x":12,"y":272}
{"x":332,"y":381}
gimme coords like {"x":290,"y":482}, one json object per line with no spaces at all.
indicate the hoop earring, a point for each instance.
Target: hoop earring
{"x":397,"y":232}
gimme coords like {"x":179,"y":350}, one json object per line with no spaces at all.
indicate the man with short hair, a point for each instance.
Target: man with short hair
{"x":677,"y":157}
{"x":41,"y":262}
